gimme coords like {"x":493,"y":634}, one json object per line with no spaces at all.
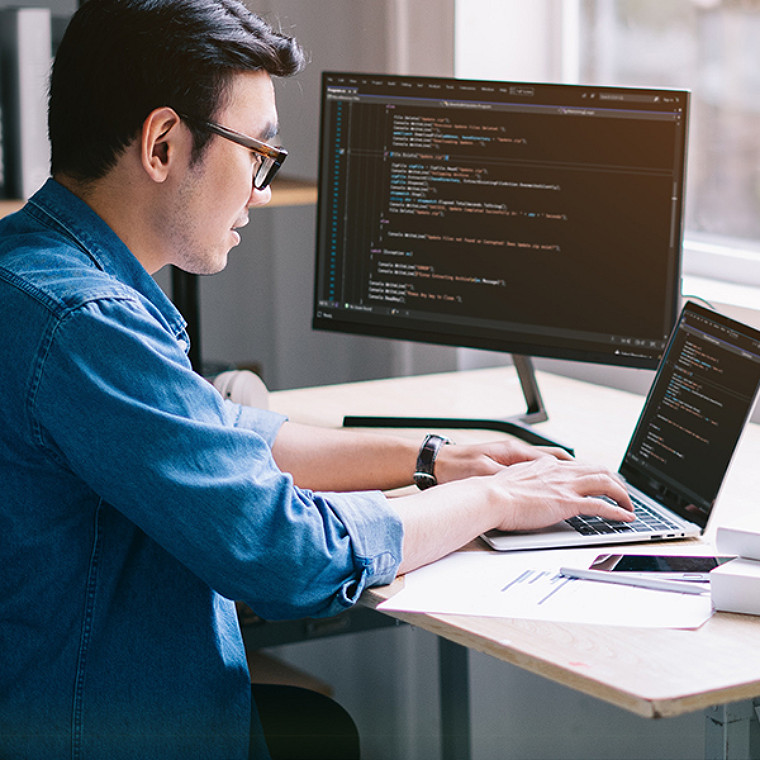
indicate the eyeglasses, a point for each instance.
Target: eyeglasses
{"x":271,"y":158}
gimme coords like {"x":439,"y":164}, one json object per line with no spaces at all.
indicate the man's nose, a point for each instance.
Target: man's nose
{"x":260,"y":197}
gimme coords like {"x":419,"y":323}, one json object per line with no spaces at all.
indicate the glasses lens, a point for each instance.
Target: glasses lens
{"x":265,"y":173}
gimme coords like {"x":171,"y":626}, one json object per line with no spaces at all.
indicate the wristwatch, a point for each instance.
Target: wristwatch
{"x":424,"y":475}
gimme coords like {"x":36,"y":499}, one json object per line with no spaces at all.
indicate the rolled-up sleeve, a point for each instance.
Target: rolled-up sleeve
{"x":376,"y":534}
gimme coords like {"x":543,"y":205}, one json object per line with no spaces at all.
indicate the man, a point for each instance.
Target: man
{"x":136,"y":503}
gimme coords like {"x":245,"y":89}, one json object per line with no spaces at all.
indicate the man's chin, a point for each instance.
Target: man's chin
{"x":206,"y":267}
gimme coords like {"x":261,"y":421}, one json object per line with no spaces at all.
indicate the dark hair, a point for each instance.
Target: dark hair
{"x":121,"y":59}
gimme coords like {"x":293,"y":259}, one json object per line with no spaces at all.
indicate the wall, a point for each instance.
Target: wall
{"x":58,"y":7}
{"x":259,"y":309}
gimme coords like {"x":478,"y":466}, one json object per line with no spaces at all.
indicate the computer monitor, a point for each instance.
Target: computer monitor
{"x":543,"y":220}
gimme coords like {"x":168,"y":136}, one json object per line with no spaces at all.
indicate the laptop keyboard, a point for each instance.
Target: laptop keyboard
{"x":646,"y":521}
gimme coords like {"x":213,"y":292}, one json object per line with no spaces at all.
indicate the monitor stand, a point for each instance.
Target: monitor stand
{"x":517,"y":425}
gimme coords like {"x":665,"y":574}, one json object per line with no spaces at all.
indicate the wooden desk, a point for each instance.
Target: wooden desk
{"x":718,"y":668}
{"x":9,"y":206}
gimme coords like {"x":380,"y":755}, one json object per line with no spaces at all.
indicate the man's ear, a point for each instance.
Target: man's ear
{"x":161,"y":138}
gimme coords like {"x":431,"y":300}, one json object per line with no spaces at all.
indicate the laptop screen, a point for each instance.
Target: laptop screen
{"x":699,"y":402}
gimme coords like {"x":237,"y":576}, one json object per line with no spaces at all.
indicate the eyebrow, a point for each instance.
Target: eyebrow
{"x":270,"y":131}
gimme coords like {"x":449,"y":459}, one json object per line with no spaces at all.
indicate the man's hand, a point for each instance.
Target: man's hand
{"x":546,"y":491}
{"x":457,"y":462}
{"x":526,"y":495}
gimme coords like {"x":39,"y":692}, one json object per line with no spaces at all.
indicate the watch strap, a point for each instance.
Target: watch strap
{"x":424,"y":471}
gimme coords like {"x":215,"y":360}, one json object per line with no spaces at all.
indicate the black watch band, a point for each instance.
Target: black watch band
{"x":424,"y":475}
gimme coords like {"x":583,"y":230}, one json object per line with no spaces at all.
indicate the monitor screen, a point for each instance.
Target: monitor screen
{"x":536,"y":219}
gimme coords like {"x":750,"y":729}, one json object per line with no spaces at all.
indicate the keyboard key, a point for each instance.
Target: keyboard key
{"x":646,"y":521}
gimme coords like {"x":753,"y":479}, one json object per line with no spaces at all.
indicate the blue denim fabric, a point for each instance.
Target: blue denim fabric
{"x":134,"y":505}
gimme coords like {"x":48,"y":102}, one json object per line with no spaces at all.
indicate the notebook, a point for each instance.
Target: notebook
{"x":701,"y":398}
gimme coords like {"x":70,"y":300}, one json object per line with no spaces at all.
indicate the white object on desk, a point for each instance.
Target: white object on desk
{"x":735,"y":586}
{"x":640,"y":581}
{"x":738,"y":541}
{"x":528,"y":585}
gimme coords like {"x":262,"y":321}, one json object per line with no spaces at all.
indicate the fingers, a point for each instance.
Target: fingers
{"x":609,"y":485}
{"x":607,"y":510}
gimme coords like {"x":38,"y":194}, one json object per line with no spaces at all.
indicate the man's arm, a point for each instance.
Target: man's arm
{"x":325,"y":459}
{"x":506,"y":485}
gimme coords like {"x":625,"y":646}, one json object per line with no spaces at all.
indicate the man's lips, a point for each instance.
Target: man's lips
{"x":238,"y":224}
{"x":241,"y":222}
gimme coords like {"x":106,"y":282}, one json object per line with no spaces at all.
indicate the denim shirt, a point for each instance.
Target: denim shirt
{"x":135,"y":504}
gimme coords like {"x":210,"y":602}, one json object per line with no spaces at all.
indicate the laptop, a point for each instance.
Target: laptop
{"x":701,"y":398}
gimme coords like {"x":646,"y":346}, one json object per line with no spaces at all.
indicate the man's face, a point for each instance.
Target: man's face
{"x":213,"y":196}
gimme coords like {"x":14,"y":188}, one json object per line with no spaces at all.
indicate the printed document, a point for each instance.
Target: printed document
{"x":528,"y":585}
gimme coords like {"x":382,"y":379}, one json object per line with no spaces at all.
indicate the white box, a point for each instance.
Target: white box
{"x":735,"y":586}
{"x":739,"y":542}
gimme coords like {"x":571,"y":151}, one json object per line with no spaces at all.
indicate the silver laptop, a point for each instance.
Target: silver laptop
{"x":703,"y":393}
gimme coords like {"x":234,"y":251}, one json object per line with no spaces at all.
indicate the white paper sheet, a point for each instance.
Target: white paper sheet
{"x":528,"y":585}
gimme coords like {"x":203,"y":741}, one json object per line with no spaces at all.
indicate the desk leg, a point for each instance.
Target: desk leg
{"x":454,"y":700}
{"x":732,"y":732}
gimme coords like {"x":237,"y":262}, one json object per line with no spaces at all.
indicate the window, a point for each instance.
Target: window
{"x":709,"y":47}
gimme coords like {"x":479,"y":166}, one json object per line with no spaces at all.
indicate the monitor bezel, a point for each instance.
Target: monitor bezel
{"x":506,"y":342}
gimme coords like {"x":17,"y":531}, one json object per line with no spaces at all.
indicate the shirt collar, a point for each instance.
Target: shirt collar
{"x":72,"y":216}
